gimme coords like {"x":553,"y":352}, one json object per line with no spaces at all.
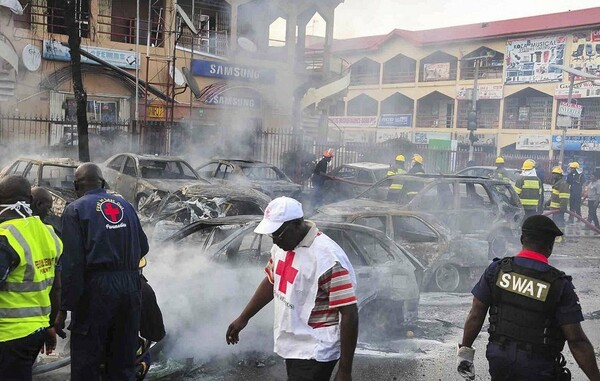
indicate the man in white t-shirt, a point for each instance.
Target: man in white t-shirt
{"x":313,"y":284}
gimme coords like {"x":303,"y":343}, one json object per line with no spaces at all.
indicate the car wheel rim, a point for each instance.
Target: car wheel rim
{"x":499,"y":246}
{"x":447,"y":277}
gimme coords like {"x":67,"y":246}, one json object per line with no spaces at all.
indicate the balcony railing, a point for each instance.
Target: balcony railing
{"x":360,"y":79}
{"x":486,"y":72}
{"x":533,"y":123}
{"x":123,"y":29}
{"x":214,"y":42}
{"x":483,"y":121}
{"x":399,"y":77}
{"x":52,"y":20}
{"x":437,"y":77}
{"x":428,"y":121}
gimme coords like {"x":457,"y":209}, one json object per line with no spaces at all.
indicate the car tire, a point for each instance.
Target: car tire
{"x":447,"y":278}
{"x":499,"y":243}
{"x":380,"y":320}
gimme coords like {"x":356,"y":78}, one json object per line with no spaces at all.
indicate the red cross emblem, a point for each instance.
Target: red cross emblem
{"x":286,"y":271}
{"x":111,"y":212}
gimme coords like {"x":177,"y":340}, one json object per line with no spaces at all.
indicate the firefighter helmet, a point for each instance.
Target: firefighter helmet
{"x":574,"y":165}
{"x":400,"y":158}
{"x":418,"y":158}
{"x":499,"y":160}
{"x":328,"y":153}
{"x":528,"y":165}
{"x":557,"y":170}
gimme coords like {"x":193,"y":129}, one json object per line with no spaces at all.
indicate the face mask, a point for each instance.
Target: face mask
{"x":18,"y":207}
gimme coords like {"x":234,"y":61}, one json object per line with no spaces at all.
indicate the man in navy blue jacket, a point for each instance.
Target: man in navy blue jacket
{"x":103,"y":245}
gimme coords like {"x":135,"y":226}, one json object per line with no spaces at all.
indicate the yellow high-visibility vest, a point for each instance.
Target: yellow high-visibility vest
{"x":399,"y":171}
{"x":25,"y":297}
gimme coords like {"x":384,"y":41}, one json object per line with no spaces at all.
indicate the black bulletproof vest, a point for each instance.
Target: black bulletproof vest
{"x":524,"y":303}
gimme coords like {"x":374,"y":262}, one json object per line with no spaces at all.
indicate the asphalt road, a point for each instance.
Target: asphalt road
{"x":429,"y":355}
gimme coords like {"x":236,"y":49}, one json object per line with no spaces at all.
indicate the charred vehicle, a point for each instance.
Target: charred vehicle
{"x":453,"y":263}
{"x":263,"y":177}
{"x":488,"y":171}
{"x":54,"y":174}
{"x":388,"y":276}
{"x":350,"y":180}
{"x":484,"y":208}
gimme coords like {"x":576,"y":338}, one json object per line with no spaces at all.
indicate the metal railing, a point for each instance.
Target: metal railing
{"x":427,"y":121}
{"x":533,"y":123}
{"x":390,"y":77}
{"x":123,"y":29}
{"x":485,"y":72}
{"x":429,"y":77}
{"x":360,"y":79}
{"x":215,"y":42}
{"x":52,"y":19}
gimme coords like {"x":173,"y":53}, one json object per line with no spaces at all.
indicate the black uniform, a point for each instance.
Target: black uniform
{"x":103,"y":244}
{"x":318,"y":180}
{"x":575,"y":180}
{"x":417,"y":169}
{"x":529,"y":301}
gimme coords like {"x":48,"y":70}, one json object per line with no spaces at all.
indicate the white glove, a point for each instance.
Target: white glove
{"x":464,"y":361}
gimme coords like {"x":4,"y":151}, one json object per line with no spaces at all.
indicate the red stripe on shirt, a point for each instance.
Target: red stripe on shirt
{"x":339,"y":288}
{"x":343,"y":301}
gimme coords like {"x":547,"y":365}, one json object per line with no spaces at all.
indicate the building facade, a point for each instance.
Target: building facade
{"x":418,"y":85}
{"x":243,"y":80}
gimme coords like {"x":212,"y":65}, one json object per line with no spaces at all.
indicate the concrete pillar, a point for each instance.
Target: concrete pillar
{"x":233,"y":28}
{"x":290,"y":37}
{"x":327,"y":59}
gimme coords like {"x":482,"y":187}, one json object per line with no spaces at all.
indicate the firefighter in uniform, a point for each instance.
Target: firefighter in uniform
{"x":29,"y":250}
{"x":417,"y":165}
{"x":533,"y":310}
{"x":575,"y":179}
{"x":559,"y":200}
{"x":318,"y":177}
{"x":397,"y":169}
{"x":529,"y":188}
{"x":101,"y":285}
{"x":500,"y":171}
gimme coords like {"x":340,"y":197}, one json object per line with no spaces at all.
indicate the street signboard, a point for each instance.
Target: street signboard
{"x":563,"y":121}
{"x":570,"y":109}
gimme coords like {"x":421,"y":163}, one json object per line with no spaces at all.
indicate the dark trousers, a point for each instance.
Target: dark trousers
{"x":17,"y":356}
{"x":510,"y":363}
{"x":105,"y":331}
{"x":574,"y":206}
{"x":592,"y":212}
{"x":559,"y":219}
{"x":309,"y":370}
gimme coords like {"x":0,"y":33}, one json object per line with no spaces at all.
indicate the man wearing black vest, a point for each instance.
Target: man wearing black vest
{"x":533,"y":310}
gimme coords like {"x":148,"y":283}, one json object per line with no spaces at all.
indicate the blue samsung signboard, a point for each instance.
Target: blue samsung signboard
{"x":231,"y":71}
{"x":395,"y":120}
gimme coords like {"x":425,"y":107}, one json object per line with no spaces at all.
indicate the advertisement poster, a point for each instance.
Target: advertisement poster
{"x":436,"y":71}
{"x":577,"y":143}
{"x":528,"y":60}
{"x":55,"y":51}
{"x":423,"y":137}
{"x":395,"y":120}
{"x":585,"y":52}
{"x":485,"y":140}
{"x":352,"y":121}
{"x":483,"y":92}
{"x":531,"y":142}
{"x":580,"y":90}
{"x":389,"y":134}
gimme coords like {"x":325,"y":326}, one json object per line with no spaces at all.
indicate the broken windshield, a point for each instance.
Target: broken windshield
{"x":163,"y":169}
{"x":263,"y":173}
{"x":57,"y":176}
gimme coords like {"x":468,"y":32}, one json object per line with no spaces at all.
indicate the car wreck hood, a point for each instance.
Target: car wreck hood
{"x":355,"y":206}
{"x":172,"y":185}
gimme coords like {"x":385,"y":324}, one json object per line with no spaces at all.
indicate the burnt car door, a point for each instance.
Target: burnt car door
{"x":112,"y":172}
{"x":417,"y":237}
{"x":438,"y":199}
{"x":128,"y":179}
{"x":477,"y":210}
{"x":223,"y":173}
{"x":208,"y":171}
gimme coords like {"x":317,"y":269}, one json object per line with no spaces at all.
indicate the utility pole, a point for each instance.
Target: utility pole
{"x":561,"y":157}
{"x":74,"y":32}
{"x":473,"y":113}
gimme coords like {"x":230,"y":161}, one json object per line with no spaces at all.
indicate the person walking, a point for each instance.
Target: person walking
{"x":559,"y":199}
{"x":575,"y":179}
{"x":500,"y":171}
{"x":594,"y":199}
{"x":101,"y":285}
{"x":313,"y":285}
{"x":318,"y":177}
{"x":417,"y":165}
{"x":529,"y":188}
{"x":533,"y":310}
{"x":29,"y":250}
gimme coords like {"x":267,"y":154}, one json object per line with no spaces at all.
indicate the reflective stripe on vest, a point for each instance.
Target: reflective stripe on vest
{"x":399,"y":171}
{"x":25,"y":297}
{"x":530,"y":192}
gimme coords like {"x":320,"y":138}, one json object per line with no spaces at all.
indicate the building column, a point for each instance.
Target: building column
{"x":233,"y":28}
{"x":500,"y":125}
{"x":290,"y":37}
{"x":327,"y":59}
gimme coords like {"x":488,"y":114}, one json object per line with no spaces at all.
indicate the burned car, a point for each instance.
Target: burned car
{"x":54,"y":174}
{"x":453,"y":263}
{"x":136,"y":177}
{"x":258,"y":175}
{"x":484,"y":208}
{"x":192,"y":203}
{"x":388,"y":276}
{"x":350,"y":180}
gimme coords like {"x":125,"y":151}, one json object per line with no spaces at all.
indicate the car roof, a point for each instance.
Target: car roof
{"x":151,"y":157}
{"x":366,"y":165}
{"x":486,"y":167}
{"x":51,"y":160}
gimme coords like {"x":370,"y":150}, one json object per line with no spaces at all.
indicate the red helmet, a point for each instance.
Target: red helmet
{"x":328,"y":153}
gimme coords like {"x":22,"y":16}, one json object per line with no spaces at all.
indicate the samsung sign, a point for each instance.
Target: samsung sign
{"x":229,"y":71}
{"x":234,"y":101}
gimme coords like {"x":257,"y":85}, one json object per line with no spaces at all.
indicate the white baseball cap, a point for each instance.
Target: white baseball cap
{"x":280,"y":210}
